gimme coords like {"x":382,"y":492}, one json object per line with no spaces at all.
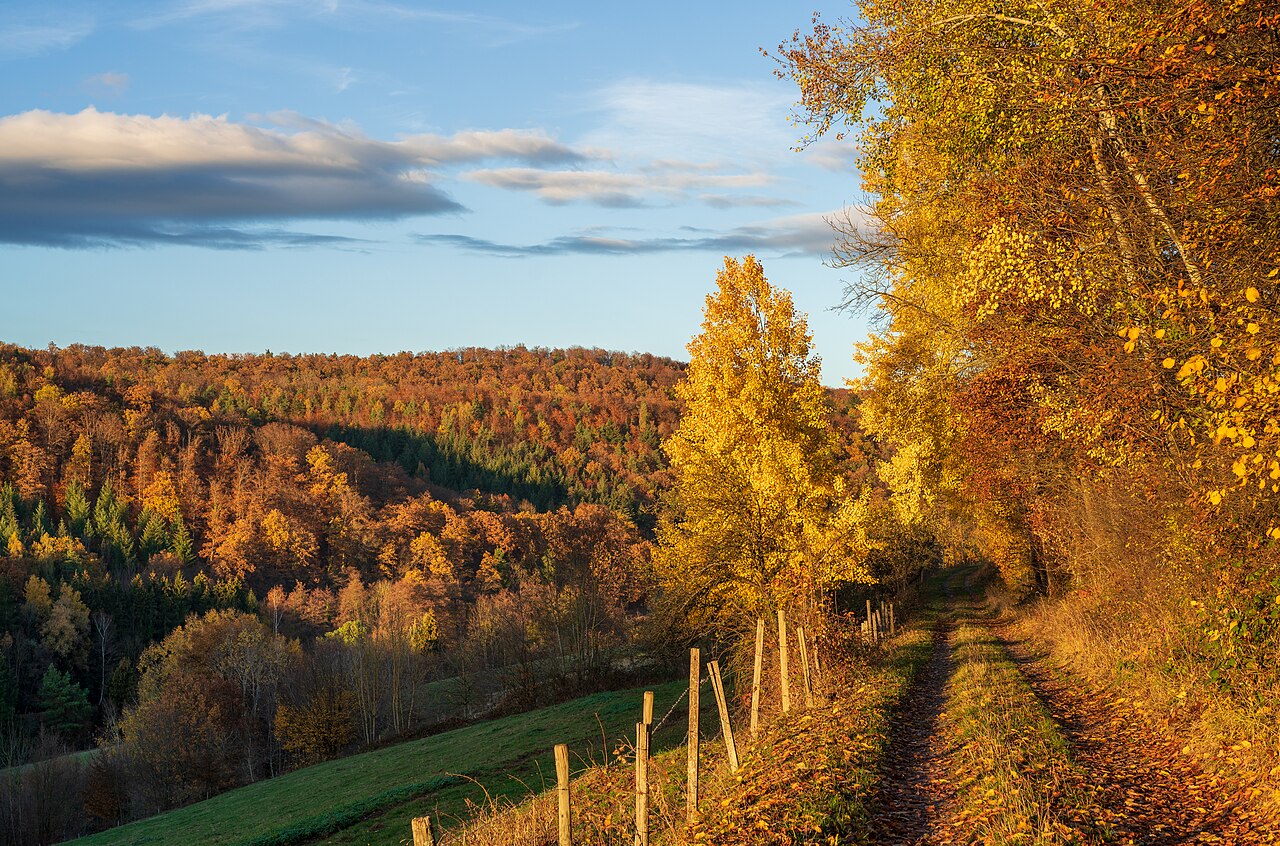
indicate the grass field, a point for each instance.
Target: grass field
{"x":488,"y":752}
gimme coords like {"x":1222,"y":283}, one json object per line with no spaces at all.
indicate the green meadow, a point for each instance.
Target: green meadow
{"x":370,"y":798}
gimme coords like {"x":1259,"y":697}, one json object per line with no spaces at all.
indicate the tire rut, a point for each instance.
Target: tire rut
{"x":910,"y":794}
{"x":1150,"y":794}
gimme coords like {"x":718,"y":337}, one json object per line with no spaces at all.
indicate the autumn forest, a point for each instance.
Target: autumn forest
{"x":1059,"y":467}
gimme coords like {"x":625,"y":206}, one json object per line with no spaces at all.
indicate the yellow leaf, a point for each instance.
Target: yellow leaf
{"x":1252,"y":329}
{"x":1251,"y":294}
{"x":1168,"y":363}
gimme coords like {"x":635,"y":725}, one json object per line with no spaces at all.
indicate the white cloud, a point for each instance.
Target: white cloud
{"x":619,"y":188}
{"x":65,"y":178}
{"x":93,"y":140}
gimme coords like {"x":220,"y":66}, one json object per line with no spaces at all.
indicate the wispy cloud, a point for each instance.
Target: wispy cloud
{"x":645,"y":119}
{"x":738,"y":201}
{"x":345,"y":79}
{"x":110,"y":83}
{"x":93,"y":177}
{"x":23,"y":39}
{"x":808,"y":234}
{"x":831,"y":154}
{"x":500,"y":31}
{"x":262,"y":14}
{"x":616,"y":189}
{"x":96,"y":233}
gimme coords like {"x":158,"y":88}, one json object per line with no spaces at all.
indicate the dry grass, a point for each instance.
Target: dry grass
{"x":1017,"y":782}
{"x":1158,"y":656}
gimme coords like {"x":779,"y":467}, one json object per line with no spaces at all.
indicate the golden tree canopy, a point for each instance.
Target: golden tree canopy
{"x":763,"y":515}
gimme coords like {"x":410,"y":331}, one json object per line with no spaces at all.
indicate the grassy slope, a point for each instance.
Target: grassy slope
{"x":807,"y":779}
{"x":485,"y":752}
{"x":514,"y":780}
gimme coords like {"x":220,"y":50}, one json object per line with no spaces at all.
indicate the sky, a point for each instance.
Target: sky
{"x":363,"y":176}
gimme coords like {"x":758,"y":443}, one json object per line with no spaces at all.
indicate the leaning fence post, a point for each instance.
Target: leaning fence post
{"x":691,"y":795}
{"x":893,"y":621}
{"x":562,"y":793}
{"x":755,"y":679}
{"x":726,"y":729}
{"x":422,"y":835}
{"x":782,"y":662}
{"x":804,"y":665}
{"x":642,"y":784}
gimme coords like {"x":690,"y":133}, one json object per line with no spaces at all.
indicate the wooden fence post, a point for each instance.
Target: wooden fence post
{"x":893,"y":621}
{"x":782,"y":662}
{"x":691,"y":793}
{"x":804,"y":665}
{"x":642,"y":784}
{"x":422,"y":835}
{"x":755,"y":679}
{"x":562,"y":793}
{"x":648,"y":708}
{"x":726,"y":729}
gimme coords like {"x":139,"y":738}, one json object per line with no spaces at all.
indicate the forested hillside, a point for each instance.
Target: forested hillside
{"x":417,"y":514}
{"x":221,"y":566}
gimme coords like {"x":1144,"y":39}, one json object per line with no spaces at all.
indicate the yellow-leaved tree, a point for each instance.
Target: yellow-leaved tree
{"x":763,"y":518}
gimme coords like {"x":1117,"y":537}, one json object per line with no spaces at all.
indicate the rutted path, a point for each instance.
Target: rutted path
{"x":1147,"y":791}
{"x":912,"y":791}
{"x":1131,"y":785}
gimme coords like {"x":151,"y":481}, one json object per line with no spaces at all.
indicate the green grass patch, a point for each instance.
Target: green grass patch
{"x":340,"y":789}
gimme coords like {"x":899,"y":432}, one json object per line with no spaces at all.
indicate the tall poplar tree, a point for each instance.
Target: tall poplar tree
{"x":762,"y":517}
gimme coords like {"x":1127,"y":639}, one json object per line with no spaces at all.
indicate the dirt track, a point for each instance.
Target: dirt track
{"x":1144,"y":790}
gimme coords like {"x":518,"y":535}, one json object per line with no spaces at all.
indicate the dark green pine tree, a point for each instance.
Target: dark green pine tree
{"x":182,"y":545}
{"x":64,"y":705}
{"x":39,"y":522}
{"x":153,"y":534}
{"x":9,"y":525}
{"x":78,"y":510}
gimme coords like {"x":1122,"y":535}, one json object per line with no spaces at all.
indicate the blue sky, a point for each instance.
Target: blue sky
{"x":366,"y":176}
